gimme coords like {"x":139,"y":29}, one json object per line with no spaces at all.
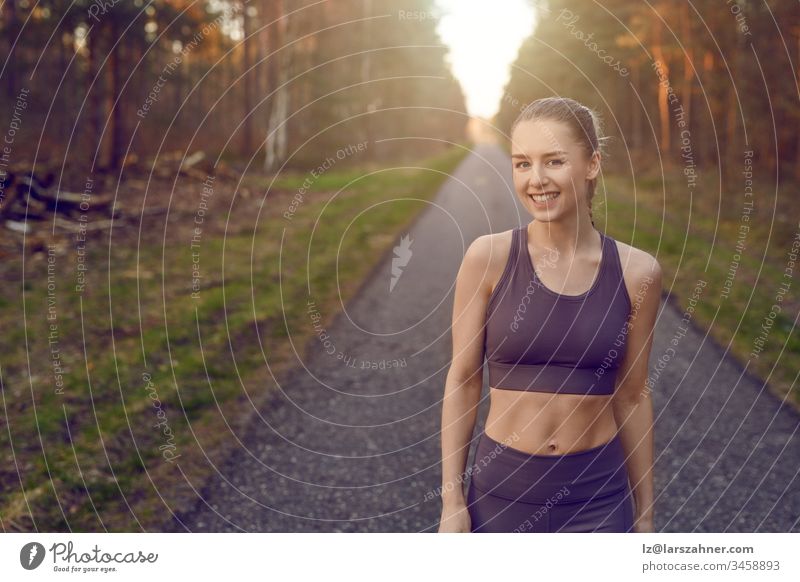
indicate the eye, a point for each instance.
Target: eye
{"x":559,"y":162}
{"x":519,"y":163}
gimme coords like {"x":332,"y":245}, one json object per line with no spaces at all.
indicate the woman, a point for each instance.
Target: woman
{"x":564,"y":316}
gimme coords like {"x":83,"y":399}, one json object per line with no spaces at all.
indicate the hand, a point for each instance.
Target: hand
{"x":644,"y":524}
{"x":455,"y":519}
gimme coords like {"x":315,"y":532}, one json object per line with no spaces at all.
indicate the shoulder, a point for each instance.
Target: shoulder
{"x":488,"y":255}
{"x":489,"y":249}
{"x":641,"y":270}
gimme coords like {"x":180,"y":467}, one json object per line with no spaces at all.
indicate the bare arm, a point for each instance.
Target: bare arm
{"x":464,"y":380}
{"x":633,"y":407}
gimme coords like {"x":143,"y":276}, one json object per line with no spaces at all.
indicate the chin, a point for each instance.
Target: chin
{"x":545,"y":216}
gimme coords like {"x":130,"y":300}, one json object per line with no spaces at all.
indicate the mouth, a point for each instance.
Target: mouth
{"x":544,"y":199}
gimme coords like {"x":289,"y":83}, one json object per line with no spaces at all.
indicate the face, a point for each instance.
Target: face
{"x":547,"y":158}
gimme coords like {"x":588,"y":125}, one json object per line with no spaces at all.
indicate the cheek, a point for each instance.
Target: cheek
{"x":564,"y":172}
{"x":567,"y":178}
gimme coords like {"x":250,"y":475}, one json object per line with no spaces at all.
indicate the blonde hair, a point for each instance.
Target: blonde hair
{"x":583,"y":122}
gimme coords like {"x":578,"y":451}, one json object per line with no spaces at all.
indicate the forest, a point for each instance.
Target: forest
{"x":107,"y":84}
{"x":680,"y":85}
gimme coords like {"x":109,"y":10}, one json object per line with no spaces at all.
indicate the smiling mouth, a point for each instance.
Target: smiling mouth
{"x":546,"y":197}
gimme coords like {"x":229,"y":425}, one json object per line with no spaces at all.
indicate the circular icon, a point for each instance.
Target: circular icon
{"x":31,"y":555}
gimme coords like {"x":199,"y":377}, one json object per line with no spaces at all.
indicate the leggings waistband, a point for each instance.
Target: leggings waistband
{"x":504,"y":471}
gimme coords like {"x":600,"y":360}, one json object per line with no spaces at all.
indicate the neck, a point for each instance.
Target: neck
{"x":568,"y":235}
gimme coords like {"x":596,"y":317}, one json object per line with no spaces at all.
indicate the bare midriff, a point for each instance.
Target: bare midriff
{"x":542,"y":423}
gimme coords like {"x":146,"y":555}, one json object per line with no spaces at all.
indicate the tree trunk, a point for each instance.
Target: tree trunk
{"x":688,"y":64}
{"x":114,"y":101}
{"x":637,"y":139}
{"x":94,"y":87}
{"x":366,"y":72}
{"x":247,"y":129}
{"x":663,"y":104}
{"x":64,"y":119}
{"x":275,"y":145}
{"x":11,"y":32}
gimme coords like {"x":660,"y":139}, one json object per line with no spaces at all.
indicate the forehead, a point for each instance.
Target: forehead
{"x":540,"y":137}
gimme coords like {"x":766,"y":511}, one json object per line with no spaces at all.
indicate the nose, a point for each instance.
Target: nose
{"x":538,"y":178}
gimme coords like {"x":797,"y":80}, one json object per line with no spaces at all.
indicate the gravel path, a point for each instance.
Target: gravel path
{"x":344,"y":447}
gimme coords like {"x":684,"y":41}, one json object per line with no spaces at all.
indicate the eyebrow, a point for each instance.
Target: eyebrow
{"x":554,"y":153}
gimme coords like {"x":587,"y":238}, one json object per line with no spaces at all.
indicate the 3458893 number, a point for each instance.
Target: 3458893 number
{"x":756,"y":565}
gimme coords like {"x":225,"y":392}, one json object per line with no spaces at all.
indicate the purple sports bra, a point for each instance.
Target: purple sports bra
{"x":538,"y":340}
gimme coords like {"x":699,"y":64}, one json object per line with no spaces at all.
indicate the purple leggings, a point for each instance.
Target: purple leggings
{"x":585,"y":491}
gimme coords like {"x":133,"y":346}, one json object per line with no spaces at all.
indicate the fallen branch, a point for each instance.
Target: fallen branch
{"x":74,"y":226}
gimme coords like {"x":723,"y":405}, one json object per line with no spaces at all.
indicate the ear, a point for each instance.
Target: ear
{"x":594,"y":166}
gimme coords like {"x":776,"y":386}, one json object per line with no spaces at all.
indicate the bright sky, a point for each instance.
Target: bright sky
{"x":484,"y":39}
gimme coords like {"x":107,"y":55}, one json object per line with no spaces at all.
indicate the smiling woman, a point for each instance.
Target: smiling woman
{"x":546,"y":132}
{"x":568,"y":381}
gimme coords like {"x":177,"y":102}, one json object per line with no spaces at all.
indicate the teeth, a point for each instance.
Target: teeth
{"x":544,"y":197}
